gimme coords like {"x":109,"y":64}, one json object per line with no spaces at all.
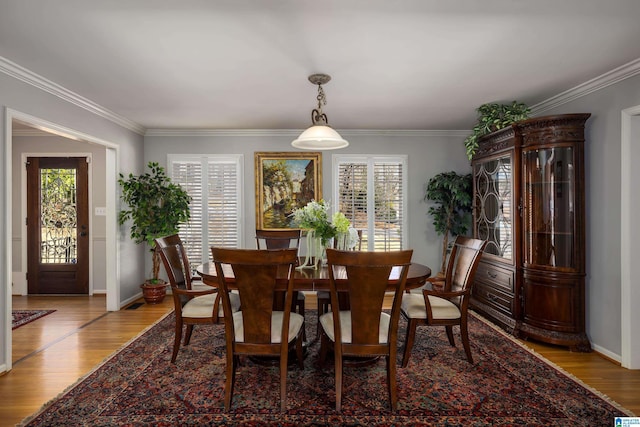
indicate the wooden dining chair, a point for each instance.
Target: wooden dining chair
{"x":446,"y":307}
{"x":192,"y":306}
{"x":278,"y":239}
{"x":258,"y":329}
{"x":323,"y":297}
{"x":364,"y":330}
{"x":283,"y":239}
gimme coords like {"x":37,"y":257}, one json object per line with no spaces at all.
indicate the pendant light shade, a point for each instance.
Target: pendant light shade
{"x":320,"y":136}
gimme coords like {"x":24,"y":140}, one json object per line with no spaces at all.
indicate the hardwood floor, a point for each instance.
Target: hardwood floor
{"x":50,"y":354}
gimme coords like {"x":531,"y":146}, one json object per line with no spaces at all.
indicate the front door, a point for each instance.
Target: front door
{"x":57,"y":225}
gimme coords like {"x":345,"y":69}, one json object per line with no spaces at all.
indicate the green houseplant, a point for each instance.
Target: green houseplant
{"x":156,"y":207}
{"x":492,"y":117}
{"x":452,"y":194}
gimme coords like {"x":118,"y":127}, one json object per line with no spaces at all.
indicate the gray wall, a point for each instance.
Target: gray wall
{"x":428,"y":155}
{"x":52,"y":144}
{"x":602,"y":170}
{"x":28,"y":99}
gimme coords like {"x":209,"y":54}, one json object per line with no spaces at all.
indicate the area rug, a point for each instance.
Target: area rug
{"x":22,"y":317}
{"x":507,"y":385}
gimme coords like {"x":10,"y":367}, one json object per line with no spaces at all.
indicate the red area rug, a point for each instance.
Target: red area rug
{"x":508,"y":385}
{"x":22,"y":317}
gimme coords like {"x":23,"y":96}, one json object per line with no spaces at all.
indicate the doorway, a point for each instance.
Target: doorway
{"x":630,"y":232}
{"x":111,"y":258}
{"x":57,"y":225}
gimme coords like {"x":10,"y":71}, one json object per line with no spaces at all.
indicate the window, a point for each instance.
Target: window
{"x":371,"y":192}
{"x":215,"y":185}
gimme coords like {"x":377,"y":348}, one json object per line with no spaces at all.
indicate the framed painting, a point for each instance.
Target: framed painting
{"x":285,"y":181}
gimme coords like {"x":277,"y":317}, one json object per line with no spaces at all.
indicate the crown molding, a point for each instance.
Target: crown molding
{"x":30,"y":132}
{"x":609,"y":78}
{"x":14,"y":70}
{"x":295,"y":132}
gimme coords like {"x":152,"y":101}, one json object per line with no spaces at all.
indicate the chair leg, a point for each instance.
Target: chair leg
{"x":338,"y":369}
{"x":465,"y":339}
{"x":408,"y":342}
{"x":230,"y":379}
{"x":300,"y":305}
{"x":322,"y":309}
{"x":450,"y":335}
{"x":176,"y":340}
{"x":284,"y":360}
{"x":391,"y":382}
{"x":187,"y":335}
{"x":325,"y":342}
{"x":299,"y":354}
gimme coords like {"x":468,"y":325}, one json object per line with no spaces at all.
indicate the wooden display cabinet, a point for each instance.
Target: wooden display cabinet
{"x":529,"y":205}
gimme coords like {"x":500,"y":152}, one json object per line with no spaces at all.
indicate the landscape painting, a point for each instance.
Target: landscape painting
{"x":284,"y":182}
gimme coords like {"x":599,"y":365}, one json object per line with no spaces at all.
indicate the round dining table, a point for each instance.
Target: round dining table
{"x":311,"y":279}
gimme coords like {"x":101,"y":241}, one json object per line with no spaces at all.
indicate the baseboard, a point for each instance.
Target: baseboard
{"x":130,"y":300}
{"x":606,"y":354}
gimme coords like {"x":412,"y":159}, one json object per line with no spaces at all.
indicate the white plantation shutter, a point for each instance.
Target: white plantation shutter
{"x":214,"y":183}
{"x":371,"y":192}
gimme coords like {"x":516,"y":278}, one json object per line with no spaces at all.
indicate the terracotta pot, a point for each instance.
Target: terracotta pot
{"x":154,"y":293}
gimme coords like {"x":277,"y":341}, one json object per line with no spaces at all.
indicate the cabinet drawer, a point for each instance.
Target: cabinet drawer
{"x":496,"y":277}
{"x":493,"y":297}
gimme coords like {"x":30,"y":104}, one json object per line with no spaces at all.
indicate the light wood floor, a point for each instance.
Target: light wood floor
{"x":51,"y":353}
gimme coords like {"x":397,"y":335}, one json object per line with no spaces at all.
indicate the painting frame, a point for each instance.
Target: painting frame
{"x":301,"y":173}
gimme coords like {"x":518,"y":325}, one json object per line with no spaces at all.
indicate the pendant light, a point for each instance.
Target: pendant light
{"x":320,"y":136}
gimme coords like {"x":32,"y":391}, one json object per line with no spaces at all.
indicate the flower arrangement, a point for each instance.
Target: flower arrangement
{"x":315,"y":216}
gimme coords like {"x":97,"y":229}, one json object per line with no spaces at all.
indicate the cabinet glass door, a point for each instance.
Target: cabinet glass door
{"x":548,"y":207}
{"x":494,"y":207}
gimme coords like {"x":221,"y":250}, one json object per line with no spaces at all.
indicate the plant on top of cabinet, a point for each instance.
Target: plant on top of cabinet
{"x":451,"y":215}
{"x":492,"y":117}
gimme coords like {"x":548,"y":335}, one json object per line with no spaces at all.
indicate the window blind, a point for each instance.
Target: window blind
{"x":370,"y":191}
{"x":214,"y":184}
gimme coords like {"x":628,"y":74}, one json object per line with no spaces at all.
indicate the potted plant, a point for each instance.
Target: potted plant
{"x":452,"y":194}
{"x":156,"y":208}
{"x":492,"y":117}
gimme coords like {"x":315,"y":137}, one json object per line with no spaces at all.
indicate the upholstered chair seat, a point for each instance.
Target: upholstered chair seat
{"x":296,"y":321}
{"x":414,"y":307}
{"x":326,"y":320}
{"x":202,"y":307}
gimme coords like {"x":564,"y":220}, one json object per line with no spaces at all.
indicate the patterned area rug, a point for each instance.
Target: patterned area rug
{"x":22,"y":317}
{"x":508,"y":385}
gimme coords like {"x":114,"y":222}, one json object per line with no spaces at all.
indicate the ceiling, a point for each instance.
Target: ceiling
{"x":240,"y":64}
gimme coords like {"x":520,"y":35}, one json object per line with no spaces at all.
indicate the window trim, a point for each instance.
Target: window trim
{"x":205,"y":160}
{"x":371,"y":160}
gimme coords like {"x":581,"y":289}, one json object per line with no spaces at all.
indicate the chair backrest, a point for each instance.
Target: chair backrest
{"x":278,"y":239}
{"x":365,"y":278}
{"x":463,"y":262}
{"x":175,"y":261}
{"x":258,"y":274}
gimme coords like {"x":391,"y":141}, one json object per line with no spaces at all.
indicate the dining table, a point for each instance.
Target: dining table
{"x":317,"y":279}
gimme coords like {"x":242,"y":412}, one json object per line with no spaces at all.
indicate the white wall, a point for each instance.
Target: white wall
{"x":16,"y":95}
{"x":428,"y":153}
{"x":603,"y":199}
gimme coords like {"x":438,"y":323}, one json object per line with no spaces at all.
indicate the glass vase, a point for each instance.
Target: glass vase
{"x":315,"y":251}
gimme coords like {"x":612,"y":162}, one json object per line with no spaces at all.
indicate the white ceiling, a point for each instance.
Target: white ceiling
{"x":240,"y":64}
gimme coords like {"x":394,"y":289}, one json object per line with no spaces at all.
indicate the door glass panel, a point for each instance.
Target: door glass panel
{"x":493,"y":203}
{"x":548,"y":211}
{"x":58,"y":213}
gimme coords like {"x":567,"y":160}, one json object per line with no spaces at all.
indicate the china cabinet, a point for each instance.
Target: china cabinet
{"x":529,"y":206}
